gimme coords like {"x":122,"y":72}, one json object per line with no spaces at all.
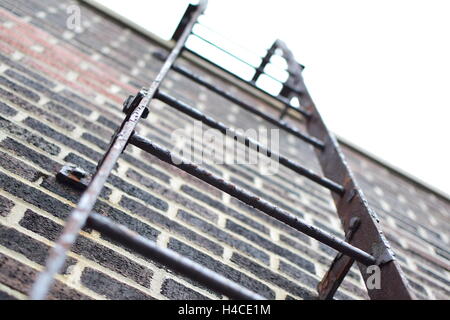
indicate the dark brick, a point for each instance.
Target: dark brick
{"x":230,"y":273}
{"x":267,"y":275}
{"x":443,"y":253}
{"x":269,"y":245}
{"x":298,"y":275}
{"x":176,"y":291}
{"x":221,"y":207}
{"x":25,"y":105}
{"x":34,"y":196}
{"x":5,"y":206}
{"x":171,"y":195}
{"x":20,"y":277}
{"x":433,"y":275}
{"x":416,"y":286}
{"x":111,"y":288}
{"x":170,"y":225}
{"x":337,"y":233}
{"x":75,"y":159}
{"x":108,"y":123}
{"x":32,"y":249}
{"x":138,"y":193}
{"x":89,"y":249}
{"x":274,"y":222}
{"x":77,"y":119}
{"x":28,"y":82}
{"x":147,"y":168}
{"x":121,"y":217}
{"x":267,"y":197}
{"x":7,"y":110}
{"x":4,"y":296}
{"x":29,"y":137}
{"x":26,"y":71}
{"x":66,"y":191}
{"x":19,"y":89}
{"x":96,"y":141}
{"x":18,"y":167}
{"x":223,"y":236}
{"x":22,"y":151}
{"x":51,"y":133}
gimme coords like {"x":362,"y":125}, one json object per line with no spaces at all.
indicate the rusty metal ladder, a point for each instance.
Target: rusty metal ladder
{"x":364,"y":241}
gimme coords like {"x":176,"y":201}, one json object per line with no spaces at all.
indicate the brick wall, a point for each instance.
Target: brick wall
{"x":60,"y":98}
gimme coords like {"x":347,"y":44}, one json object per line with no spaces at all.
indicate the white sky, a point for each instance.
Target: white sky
{"x":379,"y":71}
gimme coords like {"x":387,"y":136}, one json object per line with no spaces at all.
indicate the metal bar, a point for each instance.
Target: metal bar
{"x":264,"y":62}
{"x":196,"y":114}
{"x":339,"y":267}
{"x":281,"y":124}
{"x":77,"y":218}
{"x":170,"y":259}
{"x":353,"y":203}
{"x":251,"y":199}
{"x":277,"y":98}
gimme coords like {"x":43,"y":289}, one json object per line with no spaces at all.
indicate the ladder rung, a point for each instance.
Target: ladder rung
{"x":199,"y":80}
{"x":196,"y":114}
{"x":281,"y":124}
{"x":252,"y":200}
{"x":170,"y":259}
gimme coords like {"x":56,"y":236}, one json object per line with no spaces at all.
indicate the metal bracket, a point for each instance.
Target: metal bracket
{"x":132,"y":102}
{"x":74,"y":176}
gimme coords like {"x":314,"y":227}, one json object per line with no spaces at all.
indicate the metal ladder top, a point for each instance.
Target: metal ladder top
{"x":364,"y":241}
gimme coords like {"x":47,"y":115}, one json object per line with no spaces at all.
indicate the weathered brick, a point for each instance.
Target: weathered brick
{"x":108,"y":123}
{"x":25,"y":105}
{"x":121,"y":217}
{"x":230,"y":273}
{"x":270,"y":276}
{"x":77,"y":119}
{"x":35,"y":85}
{"x":34,"y":196}
{"x":20,"y":277}
{"x":5,"y":206}
{"x":27,"y":71}
{"x":111,"y":288}
{"x":176,"y":291}
{"x":434,"y":275}
{"x":83,"y":246}
{"x":66,"y":191}
{"x":51,"y":133}
{"x":32,"y":249}
{"x":4,"y":296}
{"x":31,"y":138}
{"x":269,"y":245}
{"x":267,"y":197}
{"x":223,"y":236}
{"x":221,"y":207}
{"x":18,"y":167}
{"x":297,"y":274}
{"x":7,"y":110}
{"x":134,"y":191}
{"x":35,"y":157}
{"x":171,"y":195}
{"x":272,"y":221}
{"x":19,"y":89}
{"x":170,"y":225}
